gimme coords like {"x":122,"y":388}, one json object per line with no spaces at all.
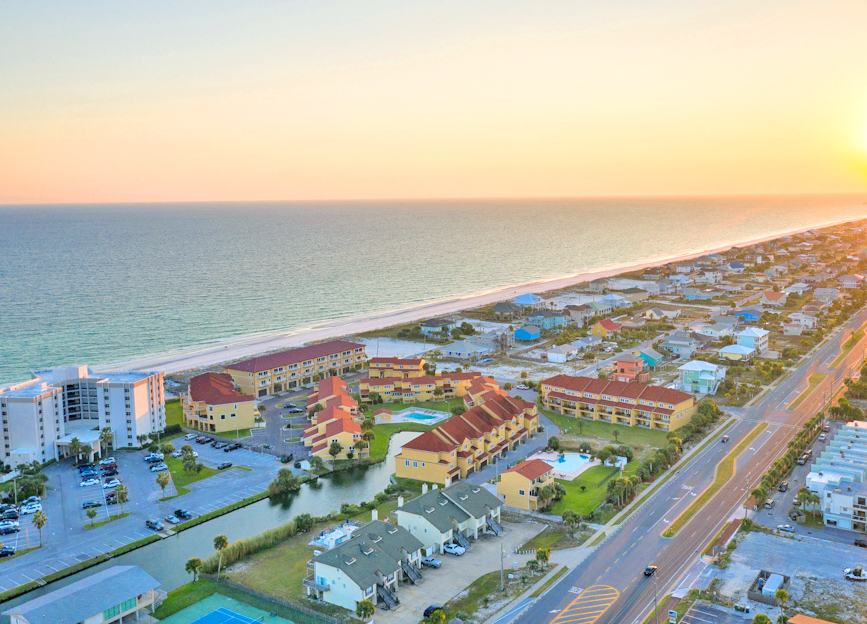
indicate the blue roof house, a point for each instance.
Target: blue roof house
{"x":652,"y":358}
{"x":527,"y":333}
{"x":530,"y":301}
{"x":547,"y":319}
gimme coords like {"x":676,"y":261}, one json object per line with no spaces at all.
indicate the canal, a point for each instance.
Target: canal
{"x":165,"y":560}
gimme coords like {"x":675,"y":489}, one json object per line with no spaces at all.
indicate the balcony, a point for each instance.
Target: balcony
{"x":312,"y":584}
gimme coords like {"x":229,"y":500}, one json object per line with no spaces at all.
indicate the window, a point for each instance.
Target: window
{"x":110,"y":613}
{"x":127,"y":604}
{"x":231,"y":415}
{"x":521,"y":492}
{"x":415,"y":464}
{"x":222,"y":417}
{"x":406,"y":461}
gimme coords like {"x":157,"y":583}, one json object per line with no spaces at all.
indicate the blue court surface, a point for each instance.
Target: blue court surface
{"x":224,"y":616}
{"x":219,"y":609}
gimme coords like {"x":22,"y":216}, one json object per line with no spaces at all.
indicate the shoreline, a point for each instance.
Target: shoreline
{"x":238,"y":347}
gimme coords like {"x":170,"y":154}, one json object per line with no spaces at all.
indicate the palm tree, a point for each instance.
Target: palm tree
{"x":365,"y":609}
{"x":761,"y":618}
{"x":220,"y":543}
{"x":105,"y":437}
{"x":91,"y":513}
{"x":783,"y":597}
{"x":39,"y":520}
{"x":192,"y":567}
{"x":163,"y":481}
{"x":542,"y":556}
{"x":74,"y":448}
{"x":121,"y":492}
{"x":616,"y":436}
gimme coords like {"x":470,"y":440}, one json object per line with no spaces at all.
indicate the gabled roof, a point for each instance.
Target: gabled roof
{"x":436,"y":509}
{"x":617,"y":388}
{"x":608,"y":324}
{"x":699,"y":366}
{"x":737,"y":350}
{"x":772,"y":295}
{"x":530,"y":469}
{"x":531,"y":329}
{"x":754,"y":332}
{"x":652,"y":353}
{"x":216,"y":389}
{"x":293,"y":356}
{"x":527,"y":299}
{"x":396,"y":361}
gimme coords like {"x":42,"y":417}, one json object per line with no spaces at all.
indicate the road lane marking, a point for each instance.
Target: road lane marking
{"x":588,"y":606}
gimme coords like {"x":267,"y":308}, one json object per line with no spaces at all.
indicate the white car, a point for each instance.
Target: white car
{"x":522,"y":387}
{"x":31,"y":509}
{"x":107,"y":460}
{"x":179,"y":454}
{"x":159,"y":468}
{"x":454,"y":549}
{"x":8,"y":523}
{"x":31,"y":500}
{"x":190,"y":436}
{"x":88,"y":482}
{"x":111,"y":484}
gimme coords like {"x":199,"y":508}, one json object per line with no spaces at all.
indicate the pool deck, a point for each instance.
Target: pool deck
{"x":551,"y":459}
{"x":402,"y":416}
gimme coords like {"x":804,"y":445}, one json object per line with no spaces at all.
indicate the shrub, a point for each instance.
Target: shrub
{"x":243,"y":548}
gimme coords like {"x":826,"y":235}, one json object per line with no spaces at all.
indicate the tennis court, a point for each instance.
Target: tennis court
{"x":217,"y":609}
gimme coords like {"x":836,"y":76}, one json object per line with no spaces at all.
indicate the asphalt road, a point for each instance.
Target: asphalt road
{"x":608,"y":587}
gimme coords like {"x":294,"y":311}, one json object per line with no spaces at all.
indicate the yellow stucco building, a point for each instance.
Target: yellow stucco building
{"x":396,"y":367}
{"x":414,"y":389}
{"x":519,"y":485}
{"x":212,"y":404}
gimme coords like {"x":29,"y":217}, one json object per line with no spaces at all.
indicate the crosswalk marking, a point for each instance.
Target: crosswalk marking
{"x":588,"y":606}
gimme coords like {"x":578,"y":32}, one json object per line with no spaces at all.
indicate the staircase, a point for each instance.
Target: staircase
{"x":390,"y":600}
{"x":461,"y":540}
{"x":494,"y":526}
{"x":411,"y":572}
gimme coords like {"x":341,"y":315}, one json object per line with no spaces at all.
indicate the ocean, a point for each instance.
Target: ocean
{"x":103,"y":283}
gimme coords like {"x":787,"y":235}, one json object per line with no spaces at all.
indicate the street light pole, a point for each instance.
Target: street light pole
{"x":502,"y":577}
{"x":655,"y":601}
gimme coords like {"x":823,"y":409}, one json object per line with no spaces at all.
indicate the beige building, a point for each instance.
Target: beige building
{"x":286,"y":370}
{"x":212,"y":404}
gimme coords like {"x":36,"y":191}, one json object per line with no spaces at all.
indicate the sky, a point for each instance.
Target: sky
{"x":115,"y":101}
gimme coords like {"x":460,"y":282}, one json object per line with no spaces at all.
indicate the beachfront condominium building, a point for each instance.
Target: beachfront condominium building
{"x":334,"y":419}
{"x":396,"y":367}
{"x":212,"y":404}
{"x":519,"y":485}
{"x":617,"y":402}
{"x":414,"y":389}
{"x":267,"y":374}
{"x":467,"y":443}
{"x":41,"y":416}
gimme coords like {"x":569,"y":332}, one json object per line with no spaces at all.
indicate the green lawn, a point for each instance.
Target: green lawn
{"x":110,"y":519}
{"x":182,"y":478}
{"x":174,"y":413}
{"x":383,"y":433}
{"x":586,"y":501}
{"x":445,"y":405}
{"x":555,"y":536}
{"x":815,"y":379}
{"x":581,"y":428}
{"x":485,"y":592}
{"x":232,"y":435}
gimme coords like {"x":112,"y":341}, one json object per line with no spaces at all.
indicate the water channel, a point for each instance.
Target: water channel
{"x":164,"y":560}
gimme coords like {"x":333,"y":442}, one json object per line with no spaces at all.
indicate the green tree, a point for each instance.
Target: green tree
{"x":163,"y":481}
{"x":571,"y":519}
{"x":375,"y":398}
{"x":316,"y":463}
{"x":105,"y":438}
{"x":167,"y":448}
{"x":220,"y":543}
{"x":74,"y":448}
{"x":285,"y":481}
{"x":438,"y":392}
{"x":303,"y":522}
{"x":761,"y":618}
{"x":542,"y":556}
{"x":456,"y":334}
{"x":437,"y":617}
{"x":192,"y":567}
{"x":457,"y":410}
{"x":39,"y":520}
{"x":554,"y":443}
{"x":334,"y":449}
{"x":545,"y":496}
{"x":783,"y":597}
{"x":559,"y":491}
{"x":616,"y":435}
{"x":365,"y":609}
{"x":121,"y":493}
{"x":91,"y":513}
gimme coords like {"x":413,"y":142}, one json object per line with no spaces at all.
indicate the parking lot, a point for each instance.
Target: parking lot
{"x":702,"y":612}
{"x":67,"y":541}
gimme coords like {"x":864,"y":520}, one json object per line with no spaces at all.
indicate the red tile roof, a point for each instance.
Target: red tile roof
{"x":531,"y":469}
{"x":772,"y":295}
{"x":216,"y":389}
{"x":630,"y":390}
{"x":609,"y":325}
{"x":293,"y":356}
{"x":396,"y":361}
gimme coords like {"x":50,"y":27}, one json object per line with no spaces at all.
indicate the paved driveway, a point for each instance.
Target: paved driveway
{"x":456,"y":573}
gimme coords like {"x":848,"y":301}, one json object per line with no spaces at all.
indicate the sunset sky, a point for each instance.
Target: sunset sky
{"x":170,"y":101}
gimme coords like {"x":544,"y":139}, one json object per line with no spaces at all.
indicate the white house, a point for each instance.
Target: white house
{"x":774,"y":299}
{"x":755,"y":338}
{"x":798,"y":288}
{"x":562,"y":353}
{"x":826,"y":295}
{"x":368,"y":566}
{"x":807,"y":321}
{"x":792,"y":329}
{"x":850,"y":281}
{"x":465,"y":350}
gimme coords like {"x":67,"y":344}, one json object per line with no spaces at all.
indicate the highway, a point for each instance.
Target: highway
{"x":609,"y":587}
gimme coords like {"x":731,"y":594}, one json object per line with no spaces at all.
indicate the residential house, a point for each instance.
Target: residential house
{"x":529,"y":301}
{"x":680,"y":343}
{"x":267,"y":374}
{"x":466,"y":350}
{"x":415,"y":389}
{"x":617,"y":402}
{"x":850,"y":281}
{"x":519,"y":485}
{"x":755,"y":338}
{"x":814,"y":308}
{"x":826,"y":295}
{"x":456,"y":513}
{"x":635,"y":322}
{"x":212,"y":404}
{"x":579,"y":313}
{"x":658,"y":314}
{"x":616,"y":301}
{"x":668,"y":286}
{"x":805,"y":320}
{"x":588,"y":343}
{"x":651,"y":357}
{"x":601,"y":308}
{"x":435,"y":326}
{"x":467,"y":443}
{"x":604,"y":328}
{"x":716,"y":331}
{"x":686,"y":267}
{"x":562,"y":353}
{"x":702,"y":342}
{"x":709,"y":276}
{"x":494,"y":339}
{"x":507,"y":310}
{"x":737,"y":352}
{"x":634,"y":295}
{"x":396,"y":367}
{"x":368,"y":566}
{"x":548,"y":319}
{"x":798,"y":288}
{"x":701,"y":377}
{"x":707,"y":294}
{"x":792,"y":329}
{"x":598,"y":285}
{"x":653,"y":274}
{"x":527,"y":333}
{"x":736,"y":267}
{"x":117,"y":594}
{"x":773,"y":298}
{"x":628,"y":368}
{"x":749,"y":314}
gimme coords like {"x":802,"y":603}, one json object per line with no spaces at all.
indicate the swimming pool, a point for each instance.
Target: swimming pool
{"x":417,"y":416}
{"x":569,"y":462}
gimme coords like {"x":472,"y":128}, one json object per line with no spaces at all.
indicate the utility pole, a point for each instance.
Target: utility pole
{"x":502,"y":575}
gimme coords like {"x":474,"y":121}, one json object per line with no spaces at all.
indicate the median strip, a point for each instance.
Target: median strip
{"x":724,"y":471}
{"x":848,"y":346}
{"x":815,"y":380}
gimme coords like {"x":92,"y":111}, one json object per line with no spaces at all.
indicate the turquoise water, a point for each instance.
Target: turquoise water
{"x":104,"y":283}
{"x":570,"y":462}
{"x":420,"y":416}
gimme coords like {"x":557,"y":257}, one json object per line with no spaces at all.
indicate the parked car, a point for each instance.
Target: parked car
{"x":89,"y":504}
{"x":224,"y":465}
{"x":862,"y":543}
{"x":154,"y":458}
{"x":295,"y":410}
{"x":183,"y":514}
{"x":802,"y":460}
{"x":111,"y":484}
{"x":88,"y":473}
{"x":786,"y":528}
{"x":8,"y":530}
{"x":821,"y":437}
{"x":8,"y":523}
{"x":287,"y":459}
{"x":109,"y":473}
{"x":650,"y":570}
{"x":179,"y":454}
{"x":431,"y":562}
{"x":432,"y":609}
{"x":202,"y":440}
{"x":522,"y":387}
{"x":89,"y":465}
{"x":110,"y":501}
{"x":88,"y":482}
{"x":221,"y":445}
{"x":11,"y":514}
{"x":783,"y":486}
{"x":769,"y":504}
{"x":31,"y":499}
{"x":190,"y":436}
{"x":159,"y":468}
{"x":156,"y":525}
{"x":107,"y":460}
{"x":7,"y":551}
{"x":31,"y":509}
{"x":172,"y":520}
{"x":232,"y":447}
{"x":454,"y":549}
{"x":796,"y":502}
